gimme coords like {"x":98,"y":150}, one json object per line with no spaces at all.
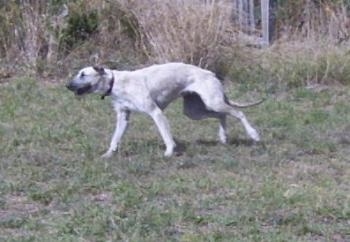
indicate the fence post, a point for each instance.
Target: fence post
{"x":265,"y":4}
{"x":251,"y":16}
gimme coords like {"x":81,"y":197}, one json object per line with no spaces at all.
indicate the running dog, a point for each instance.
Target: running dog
{"x":151,"y":89}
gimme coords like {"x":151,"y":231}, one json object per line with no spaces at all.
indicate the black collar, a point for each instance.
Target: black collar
{"x":109,"y":91}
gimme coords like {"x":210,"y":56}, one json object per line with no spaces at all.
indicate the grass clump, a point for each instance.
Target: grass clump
{"x":308,"y":63}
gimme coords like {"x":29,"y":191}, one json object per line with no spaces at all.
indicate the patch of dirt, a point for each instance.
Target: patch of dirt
{"x":17,"y":207}
{"x":103,"y":197}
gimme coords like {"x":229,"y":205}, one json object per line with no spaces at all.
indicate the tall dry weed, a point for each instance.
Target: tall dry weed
{"x":181,"y":30}
{"x":314,"y":20}
{"x":24,"y":33}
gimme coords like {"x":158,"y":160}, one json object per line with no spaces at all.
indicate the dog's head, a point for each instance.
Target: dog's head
{"x":89,"y":80}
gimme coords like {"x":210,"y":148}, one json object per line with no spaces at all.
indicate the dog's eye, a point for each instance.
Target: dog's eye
{"x":82,"y":74}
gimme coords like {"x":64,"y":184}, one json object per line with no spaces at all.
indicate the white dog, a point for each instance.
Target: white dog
{"x":150,"y":90}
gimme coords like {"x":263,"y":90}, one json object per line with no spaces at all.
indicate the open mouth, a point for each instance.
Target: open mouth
{"x":83,"y":90}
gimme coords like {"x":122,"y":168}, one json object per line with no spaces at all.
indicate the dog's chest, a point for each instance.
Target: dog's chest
{"x":125,"y":103}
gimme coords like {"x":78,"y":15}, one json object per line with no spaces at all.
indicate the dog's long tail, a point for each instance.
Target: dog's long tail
{"x":243,"y":105}
{"x":220,"y":76}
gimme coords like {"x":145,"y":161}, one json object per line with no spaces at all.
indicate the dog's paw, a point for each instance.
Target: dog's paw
{"x":169,"y":152}
{"x":107,"y":155}
{"x":256,"y":138}
{"x":254,"y":135}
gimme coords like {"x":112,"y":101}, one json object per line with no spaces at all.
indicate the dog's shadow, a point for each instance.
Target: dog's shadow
{"x":181,"y":145}
{"x":234,"y":141}
{"x":242,"y":142}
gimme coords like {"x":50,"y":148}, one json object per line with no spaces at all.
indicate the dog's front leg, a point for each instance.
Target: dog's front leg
{"x":164,"y":129}
{"x":121,"y":126}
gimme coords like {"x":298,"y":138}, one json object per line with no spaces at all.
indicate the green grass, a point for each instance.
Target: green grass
{"x":294,"y":186}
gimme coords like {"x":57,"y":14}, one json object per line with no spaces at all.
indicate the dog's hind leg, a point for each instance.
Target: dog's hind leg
{"x":194,"y":108}
{"x":221,"y":107}
{"x":222,"y":129}
{"x":121,"y":126}
{"x":215,"y":103}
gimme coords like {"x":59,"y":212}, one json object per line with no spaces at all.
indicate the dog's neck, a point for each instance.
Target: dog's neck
{"x":110,"y":85}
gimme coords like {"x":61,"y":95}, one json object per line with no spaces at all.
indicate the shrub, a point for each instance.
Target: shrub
{"x":80,"y":26}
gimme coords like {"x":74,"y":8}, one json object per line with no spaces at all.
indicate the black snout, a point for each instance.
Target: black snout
{"x":71,"y":87}
{"x":79,"y":89}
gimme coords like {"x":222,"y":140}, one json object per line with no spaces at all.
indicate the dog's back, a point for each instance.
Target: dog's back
{"x":173,"y":71}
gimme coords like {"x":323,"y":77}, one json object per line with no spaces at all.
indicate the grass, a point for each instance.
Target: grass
{"x":294,"y":186}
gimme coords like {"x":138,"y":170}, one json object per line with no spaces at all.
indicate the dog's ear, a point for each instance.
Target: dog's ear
{"x":100,"y":70}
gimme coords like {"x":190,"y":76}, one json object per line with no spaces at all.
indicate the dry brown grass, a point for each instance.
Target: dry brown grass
{"x":204,"y":33}
{"x":190,"y":31}
{"x":308,"y":62}
{"x":314,"y":20}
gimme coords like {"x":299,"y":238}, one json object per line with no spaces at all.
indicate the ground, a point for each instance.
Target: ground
{"x":293,"y":186}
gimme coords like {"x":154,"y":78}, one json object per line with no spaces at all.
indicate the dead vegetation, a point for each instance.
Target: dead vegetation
{"x":51,"y":38}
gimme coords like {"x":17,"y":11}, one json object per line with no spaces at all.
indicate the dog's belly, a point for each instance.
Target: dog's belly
{"x":163,"y":100}
{"x":164,"y":97}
